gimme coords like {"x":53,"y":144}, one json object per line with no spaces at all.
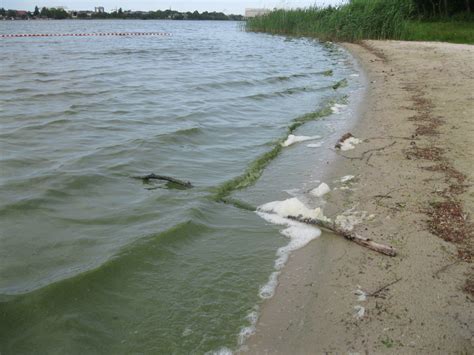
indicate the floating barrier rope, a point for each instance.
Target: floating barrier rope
{"x":99,"y":34}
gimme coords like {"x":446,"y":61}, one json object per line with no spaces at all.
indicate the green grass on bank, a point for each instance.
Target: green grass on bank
{"x":362,"y":19}
{"x":454,"y":32}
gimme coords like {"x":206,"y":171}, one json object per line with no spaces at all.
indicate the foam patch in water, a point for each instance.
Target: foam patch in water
{"x":321,"y":190}
{"x":292,"y":192}
{"x":337,"y":108}
{"x":315,"y":145}
{"x":292,"y":139}
{"x":350,"y":143}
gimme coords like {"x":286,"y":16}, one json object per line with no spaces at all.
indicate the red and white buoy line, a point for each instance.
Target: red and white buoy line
{"x":98,"y":34}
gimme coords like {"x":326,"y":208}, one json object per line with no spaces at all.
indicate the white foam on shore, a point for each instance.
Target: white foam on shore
{"x":292,"y":139}
{"x":350,"y":143}
{"x":347,"y":222}
{"x":246,"y":332}
{"x":292,"y":207}
{"x":350,"y":218}
{"x":360,"y":311}
{"x":347,"y":178}
{"x":300,"y":234}
{"x":268,"y":290}
{"x":361,"y":295}
{"x":321,"y":190}
{"x":221,"y":351}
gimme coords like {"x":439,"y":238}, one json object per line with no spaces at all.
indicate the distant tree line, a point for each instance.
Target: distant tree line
{"x":442,"y":8}
{"x":59,"y":14}
{"x":54,"y":13}
{"x":167,"y":14}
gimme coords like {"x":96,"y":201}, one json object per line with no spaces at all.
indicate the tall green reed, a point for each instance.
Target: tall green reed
{"x":359,"y":19}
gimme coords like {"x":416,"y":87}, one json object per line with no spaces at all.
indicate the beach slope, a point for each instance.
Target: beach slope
{"x":414,"y":173}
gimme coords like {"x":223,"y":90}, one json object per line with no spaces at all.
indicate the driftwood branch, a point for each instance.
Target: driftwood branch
{"x":149,"y":177}
{"x":366,"y":242}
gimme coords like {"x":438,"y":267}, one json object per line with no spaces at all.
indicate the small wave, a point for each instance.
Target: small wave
{"x":56,"y":122}
{"x":180,"y":135}
{"x":298,"y":75}
{"x":123,"y":51}
{"x":54,"y":188}
{"x":286,"y":92}
{"x":22,"y":206}
{"x":130,"y":256}
{"x":65,"y":95}
{"x":267,"y":80}
{"x":226,"y":84}
{"x":16,"y":91}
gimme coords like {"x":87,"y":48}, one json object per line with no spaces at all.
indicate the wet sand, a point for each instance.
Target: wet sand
{"x":414,"y":172}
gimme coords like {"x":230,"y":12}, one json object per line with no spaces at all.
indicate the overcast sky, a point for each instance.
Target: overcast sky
{"x":227,"y":6}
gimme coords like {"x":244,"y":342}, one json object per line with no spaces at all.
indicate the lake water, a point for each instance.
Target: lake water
{"x":93,"y":261}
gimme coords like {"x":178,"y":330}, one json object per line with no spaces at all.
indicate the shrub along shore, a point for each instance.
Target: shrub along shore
{"x":419,"y":20}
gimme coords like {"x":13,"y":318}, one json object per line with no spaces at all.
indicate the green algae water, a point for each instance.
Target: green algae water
{"x":94,"y":261}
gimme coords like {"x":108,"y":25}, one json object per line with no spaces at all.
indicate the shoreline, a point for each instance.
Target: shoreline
{"x":413,"y":172}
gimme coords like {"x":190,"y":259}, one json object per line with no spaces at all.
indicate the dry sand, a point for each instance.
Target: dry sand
{"x":419,"y":114}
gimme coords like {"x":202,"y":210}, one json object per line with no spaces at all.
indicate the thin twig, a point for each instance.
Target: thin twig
{"x":444,"y":268}
{"x":387,"y":195}
{"x":375,"y":293}
{"x":367,"y":151}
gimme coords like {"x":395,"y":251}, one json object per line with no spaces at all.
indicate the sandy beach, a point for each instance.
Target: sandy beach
{"x":413,"y":173}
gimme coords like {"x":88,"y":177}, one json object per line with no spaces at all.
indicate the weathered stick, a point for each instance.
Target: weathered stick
{"x":148,"y":177}
{"x":366,"y":242}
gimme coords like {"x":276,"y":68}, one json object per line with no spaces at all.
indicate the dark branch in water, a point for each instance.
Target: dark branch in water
{"x":152,"y":176}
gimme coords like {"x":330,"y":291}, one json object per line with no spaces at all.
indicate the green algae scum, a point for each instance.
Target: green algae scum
{"x":94,"y":261}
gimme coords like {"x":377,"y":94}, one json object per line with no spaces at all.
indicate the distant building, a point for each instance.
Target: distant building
{"x":99,"y":9}
{"x":256,"y":12}
{"x":80,"y":14}
{"x":21,"y":13}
